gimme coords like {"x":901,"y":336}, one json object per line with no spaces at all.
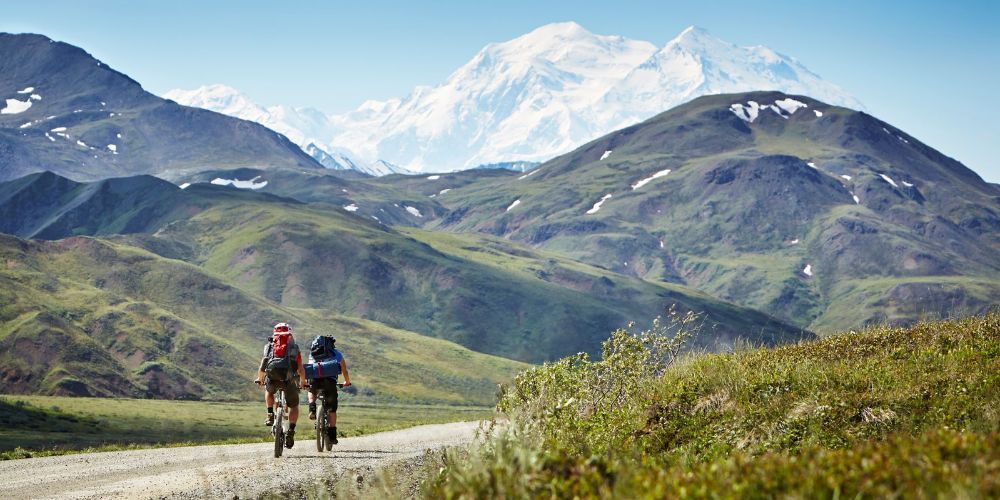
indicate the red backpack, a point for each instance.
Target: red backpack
{"x":279,"y":344}
{"x":280,"y":364}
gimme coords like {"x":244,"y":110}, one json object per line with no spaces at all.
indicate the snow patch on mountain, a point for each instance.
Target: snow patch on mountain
{"x":752,"y":109}
{"x":888,"y":179}
{"x":647,"y":180}
{"x":250,"y":184}
{"x":14,"y":107}
{"x":597,"y":206}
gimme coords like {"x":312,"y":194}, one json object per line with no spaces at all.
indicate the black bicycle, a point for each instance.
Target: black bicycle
{"x":323,"y":441}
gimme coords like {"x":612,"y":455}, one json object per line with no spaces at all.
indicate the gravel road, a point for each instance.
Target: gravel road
{"x":227,"y":471}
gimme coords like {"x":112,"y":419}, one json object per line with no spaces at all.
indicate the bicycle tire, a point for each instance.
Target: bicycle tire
{"x":279,"y":431}
{"x":320,"y":432}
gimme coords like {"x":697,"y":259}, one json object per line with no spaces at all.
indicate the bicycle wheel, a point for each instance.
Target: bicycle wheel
{"x":279,"y":430}
{"x":320,"y":432}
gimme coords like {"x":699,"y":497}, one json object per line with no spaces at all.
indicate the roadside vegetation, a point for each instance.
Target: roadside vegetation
{"x":885,"y":412}
{"x":32,"y":426}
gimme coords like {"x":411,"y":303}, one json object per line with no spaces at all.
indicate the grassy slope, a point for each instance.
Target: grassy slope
{"x":86,"y":316}
{"x":40,"y":425}
{"x":439,"y":285}
{"x":884,"y":412}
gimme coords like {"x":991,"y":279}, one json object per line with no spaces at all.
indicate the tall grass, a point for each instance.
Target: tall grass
{"x":883,"y":412}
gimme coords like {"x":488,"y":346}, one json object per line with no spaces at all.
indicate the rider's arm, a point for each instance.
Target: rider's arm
{"x":302,"y":371}
{"x":260,"y":371}
{"x":263,"y":362}
{"x":263,"y":365}
{"x":343,"y":369}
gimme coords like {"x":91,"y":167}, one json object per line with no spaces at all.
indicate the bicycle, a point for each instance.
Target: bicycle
{"x":279,"y":428}
{"x":323,"y":423}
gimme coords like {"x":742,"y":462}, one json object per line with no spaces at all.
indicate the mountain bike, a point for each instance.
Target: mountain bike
{"x":323,"y":423}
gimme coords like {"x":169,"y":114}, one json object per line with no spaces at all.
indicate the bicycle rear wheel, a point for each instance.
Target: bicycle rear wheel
{"x":320,"y":432}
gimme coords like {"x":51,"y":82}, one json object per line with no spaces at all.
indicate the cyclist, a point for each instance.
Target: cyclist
{"x":282,"y":358}
{"x":323,"y":349}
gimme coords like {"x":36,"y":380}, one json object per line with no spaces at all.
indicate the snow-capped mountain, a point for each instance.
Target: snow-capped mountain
{"x":532,"y":98}
{"x":301,"y":125}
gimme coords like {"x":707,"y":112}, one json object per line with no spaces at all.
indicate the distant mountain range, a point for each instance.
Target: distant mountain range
{"x":527,"y":99}
{"x":66,"y":112}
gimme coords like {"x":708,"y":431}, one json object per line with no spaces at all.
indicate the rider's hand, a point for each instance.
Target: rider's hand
{"x":303,"y":383}
{"x":347,"y":384}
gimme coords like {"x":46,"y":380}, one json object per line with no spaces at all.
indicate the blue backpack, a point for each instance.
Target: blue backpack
{"x":324,"y":355}
{"x":322,"y":347}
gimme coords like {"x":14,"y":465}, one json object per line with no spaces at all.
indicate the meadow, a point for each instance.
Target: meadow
{"x":47,"y":425}
{"x":886,"y":413}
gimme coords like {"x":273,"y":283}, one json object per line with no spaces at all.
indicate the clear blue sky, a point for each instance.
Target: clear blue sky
{"x":930,"y":68}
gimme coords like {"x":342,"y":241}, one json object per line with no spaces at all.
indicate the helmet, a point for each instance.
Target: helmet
{"x":282,"y":328}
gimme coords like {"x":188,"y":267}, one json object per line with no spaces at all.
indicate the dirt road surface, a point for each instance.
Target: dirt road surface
{"x":226,"y":471}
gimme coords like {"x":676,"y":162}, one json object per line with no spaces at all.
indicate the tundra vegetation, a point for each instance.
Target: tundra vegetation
{"x":883,"y":412}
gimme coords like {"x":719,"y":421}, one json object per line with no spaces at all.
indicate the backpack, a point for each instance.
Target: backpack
{"x":280,"y":363}
{"x":322,"y":347}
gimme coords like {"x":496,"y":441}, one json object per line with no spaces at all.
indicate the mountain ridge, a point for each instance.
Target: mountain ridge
{"x":821,"y":215}
{"x":536,"y":96}
{"x":70,"y":113}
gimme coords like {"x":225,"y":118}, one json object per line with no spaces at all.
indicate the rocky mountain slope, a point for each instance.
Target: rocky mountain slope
{"x":818,"y":214}
{"x":66,"y":112}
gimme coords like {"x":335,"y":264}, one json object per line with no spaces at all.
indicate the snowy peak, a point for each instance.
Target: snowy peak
{"x":220,"y":98}
{"x":532,"y":98}
{"x":697,"y":63}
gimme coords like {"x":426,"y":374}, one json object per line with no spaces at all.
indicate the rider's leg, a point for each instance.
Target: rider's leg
{"x":269,"y":401}
{"x":292,"y":398}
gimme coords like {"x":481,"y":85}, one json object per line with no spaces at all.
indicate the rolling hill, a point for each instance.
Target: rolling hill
{"x":84,"y":316}
{"x":269,"y":257}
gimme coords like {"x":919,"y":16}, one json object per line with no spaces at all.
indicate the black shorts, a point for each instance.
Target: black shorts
{"x":326,"y":387}
{"x":291,"y":390}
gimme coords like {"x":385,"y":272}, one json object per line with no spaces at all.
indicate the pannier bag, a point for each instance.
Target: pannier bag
{"x":322,"y":369}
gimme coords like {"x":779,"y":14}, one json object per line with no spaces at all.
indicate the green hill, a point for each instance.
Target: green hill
{"x":175,"y":299}
{"x":485,"y":294}
{"x":886,"y":412}
{"x":761,"y":213}
{"x":83,"y":316}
